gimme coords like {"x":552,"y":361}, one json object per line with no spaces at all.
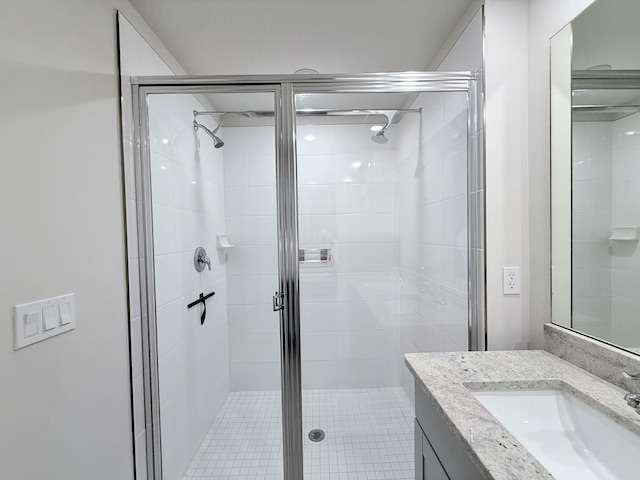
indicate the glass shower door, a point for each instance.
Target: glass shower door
{"x":382,"y":212}
{"x":212,"y":169}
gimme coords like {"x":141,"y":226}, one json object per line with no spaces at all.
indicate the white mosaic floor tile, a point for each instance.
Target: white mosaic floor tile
{"x":369,"y":436}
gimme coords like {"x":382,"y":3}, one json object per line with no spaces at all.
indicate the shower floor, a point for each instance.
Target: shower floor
{"x":369,"y":435}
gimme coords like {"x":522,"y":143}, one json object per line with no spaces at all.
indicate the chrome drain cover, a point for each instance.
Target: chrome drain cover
{"x":316,"y":435}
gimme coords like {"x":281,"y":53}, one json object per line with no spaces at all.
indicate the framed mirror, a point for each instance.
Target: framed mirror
{"x":595,"y":173}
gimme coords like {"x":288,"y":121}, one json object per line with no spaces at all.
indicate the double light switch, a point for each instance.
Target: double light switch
{"x":37,"y":321}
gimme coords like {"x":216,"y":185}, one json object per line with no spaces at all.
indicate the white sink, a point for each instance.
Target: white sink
{"x":567,"y":436}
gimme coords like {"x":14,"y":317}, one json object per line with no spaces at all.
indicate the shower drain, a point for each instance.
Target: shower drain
{"x":316,"y":435}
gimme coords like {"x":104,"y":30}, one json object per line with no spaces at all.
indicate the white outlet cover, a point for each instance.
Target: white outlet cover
{"x":511,"y":280}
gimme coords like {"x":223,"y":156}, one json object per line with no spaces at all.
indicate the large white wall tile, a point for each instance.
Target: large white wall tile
{"x":266,"y":376}
{"x":355,"y":168}
{"x":314,"y":139}
{"x":315,"y":169}
{"x":317,"y":199}
{"x":241,"y":377}
{"x":262,"y":201}
{"x":164,"y":230}
{"x":454,"y":213}
{"x":236,"y":168}
{"x":357,"y":345}
{"x":240,"y":319}
{"x":318,"y":346}
{"x":264,"y":319}
{"x":355,"y":374}
{"x":166,"y":279}
{"x":266,"y":347}
{"x":261,"y":170}
{"x":241,"y":348}
{"x":261,"y":141}
{"x":162,"y":174}
{"x":236,"y":201}
{"x":319,"y":374}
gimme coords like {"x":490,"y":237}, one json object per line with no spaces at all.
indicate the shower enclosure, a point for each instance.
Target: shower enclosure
{"x":340,"y":221}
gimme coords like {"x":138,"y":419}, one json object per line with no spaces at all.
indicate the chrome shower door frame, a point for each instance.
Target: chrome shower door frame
{"x":284,"y":88}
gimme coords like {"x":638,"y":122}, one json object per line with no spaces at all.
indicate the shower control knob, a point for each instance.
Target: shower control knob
{"x":200,"y":259}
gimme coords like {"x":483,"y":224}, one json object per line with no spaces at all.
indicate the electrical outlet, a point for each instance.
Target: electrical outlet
{"x":511,"y":280}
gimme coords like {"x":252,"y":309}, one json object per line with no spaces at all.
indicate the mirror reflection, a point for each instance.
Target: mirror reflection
{"x":596,"y":173}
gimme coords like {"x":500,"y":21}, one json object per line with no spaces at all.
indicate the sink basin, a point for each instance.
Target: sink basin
{"x":571,"y":439}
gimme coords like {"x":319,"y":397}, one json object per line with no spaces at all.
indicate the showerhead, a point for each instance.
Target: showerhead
{"x":217,"y":141}
{"x":379,"y":137}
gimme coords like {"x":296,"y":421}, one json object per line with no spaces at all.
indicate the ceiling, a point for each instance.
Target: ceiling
{"x":606,"y":37}
{"x":238,"y":37}
{"x":607,"y":33}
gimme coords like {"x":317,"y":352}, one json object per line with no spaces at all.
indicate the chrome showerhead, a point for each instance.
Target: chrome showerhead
{"x":379,"y":137}
{"x":217,"y":141}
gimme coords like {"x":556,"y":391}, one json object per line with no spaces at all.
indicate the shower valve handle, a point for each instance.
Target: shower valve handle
{"x":200,"y":259}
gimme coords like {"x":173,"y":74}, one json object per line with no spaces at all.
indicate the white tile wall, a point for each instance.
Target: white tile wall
{"x":348,"y":201}
{"x":592,"y":204}
{"x":606,"y":275}
{"x":625,"y":256}
{"x":395,"y":217}
{"x":251,"y":226}
{"x":433,"y":227}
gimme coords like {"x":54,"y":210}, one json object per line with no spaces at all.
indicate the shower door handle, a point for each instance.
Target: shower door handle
{"x":278,"y":301}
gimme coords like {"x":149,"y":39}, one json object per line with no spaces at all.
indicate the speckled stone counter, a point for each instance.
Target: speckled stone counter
{"x":448,"y":380}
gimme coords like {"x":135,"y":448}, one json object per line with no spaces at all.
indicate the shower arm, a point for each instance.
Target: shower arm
{"x":313,"y":112}
{"x":212,"y":133}
{"x":378,"y":137}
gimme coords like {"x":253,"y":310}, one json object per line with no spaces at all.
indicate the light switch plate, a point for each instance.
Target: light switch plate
{"x":42,"y":319}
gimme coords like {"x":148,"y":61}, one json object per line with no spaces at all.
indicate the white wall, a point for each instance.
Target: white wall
{"x":506,"y":173}
{"x":546,"y":17}
{"x":66,"y":405}
{"x":137,"y":57}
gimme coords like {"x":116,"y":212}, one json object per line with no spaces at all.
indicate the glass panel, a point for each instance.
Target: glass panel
{"x":383,"y":267}
{"x":219,"y":380}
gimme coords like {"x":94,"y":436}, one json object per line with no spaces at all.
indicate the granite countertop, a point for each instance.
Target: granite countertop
{"x":448,"y":380}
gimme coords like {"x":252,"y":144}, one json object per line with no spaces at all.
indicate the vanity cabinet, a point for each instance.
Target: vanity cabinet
{"x":428,"y":467}
{"x":439,"y":454}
